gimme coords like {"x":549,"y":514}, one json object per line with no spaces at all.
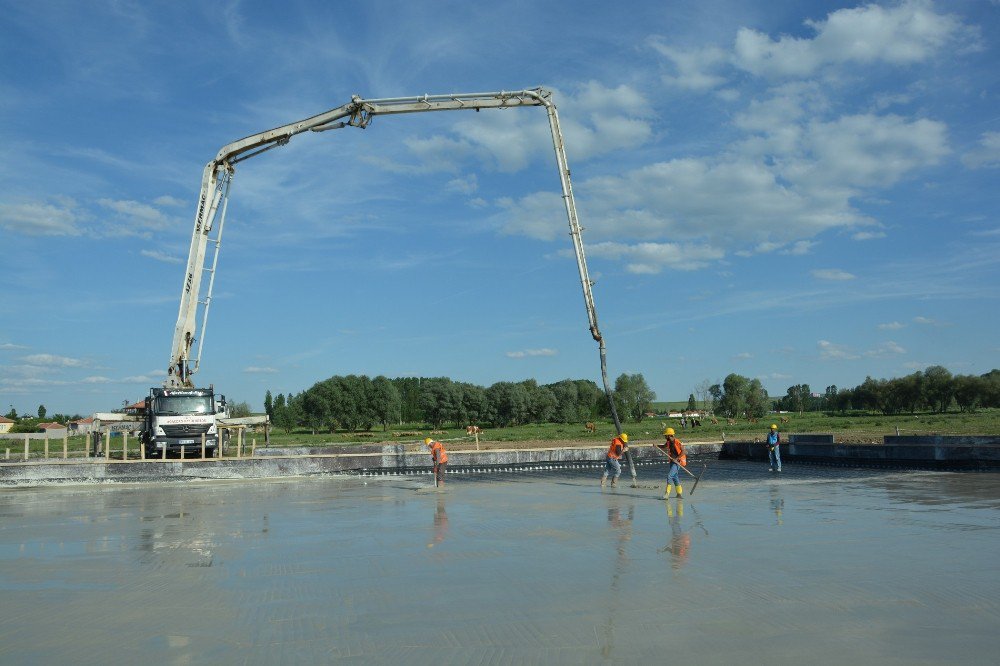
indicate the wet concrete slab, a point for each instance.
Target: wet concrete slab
{"x":817,"y":564}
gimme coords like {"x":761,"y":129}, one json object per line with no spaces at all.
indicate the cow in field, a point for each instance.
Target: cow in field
{"x":784,"y":419}
{"x":473,"y":430}
{"x":591,"y":427}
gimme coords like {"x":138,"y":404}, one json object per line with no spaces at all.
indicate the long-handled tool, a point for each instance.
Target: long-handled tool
{"x":696,"y":477}
{"x":435,"y":475}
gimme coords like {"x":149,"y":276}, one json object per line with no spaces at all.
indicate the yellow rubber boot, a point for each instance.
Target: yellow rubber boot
{"x":666,"y":493}
{"x":680,"y":492}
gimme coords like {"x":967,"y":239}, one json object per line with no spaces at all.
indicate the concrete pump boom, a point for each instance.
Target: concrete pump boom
{"x":218,"y":175}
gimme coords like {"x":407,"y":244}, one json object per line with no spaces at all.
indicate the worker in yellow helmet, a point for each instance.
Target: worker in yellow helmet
{"x":613,"y":459}
{"x":773,"y":454}
{"x":675,"y":452}
{"x":440,"y":458}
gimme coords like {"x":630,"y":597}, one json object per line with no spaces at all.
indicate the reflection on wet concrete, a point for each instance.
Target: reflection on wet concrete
{"x":844,"y":565}
{"x":680,"y":538}
{"x":777,"y":503}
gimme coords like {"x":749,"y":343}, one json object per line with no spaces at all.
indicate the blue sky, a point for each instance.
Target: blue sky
{"x":804,"y":192}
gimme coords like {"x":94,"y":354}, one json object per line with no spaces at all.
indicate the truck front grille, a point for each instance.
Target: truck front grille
{"x":186,"y":429}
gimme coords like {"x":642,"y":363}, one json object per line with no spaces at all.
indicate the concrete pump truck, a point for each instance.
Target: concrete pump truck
{"x":178,"y":414}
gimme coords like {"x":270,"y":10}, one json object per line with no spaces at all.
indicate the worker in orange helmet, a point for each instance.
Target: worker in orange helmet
{"x":613,"y":459}
{"x":675,"y":452}
{"x":440,"y":458}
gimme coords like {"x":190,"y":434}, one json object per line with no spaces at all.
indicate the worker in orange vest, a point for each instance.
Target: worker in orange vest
{"x":440,"y":458}
{"x":675,"y":451}
{"x":612,"y":462}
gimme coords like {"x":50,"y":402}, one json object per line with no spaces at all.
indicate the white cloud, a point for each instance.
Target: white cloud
{"x":799,"y":248}
{"x":831,"y":351}
{"x":865,"y":150}
{"x":742,"y":356}
{"x":169,"y":201}
{"x":697,"y":70}
{"x":986,"y":155}
{"x":885,"y":349}
{"x":255,"y":370}
{"x":891,"y":326}
{"x":594,"y":121}
{"x":466,"y":185}
{"x":834,"y":274}
{"x":52,"y":360}
{"x":868,"y":235}
{"x":96,"y":379}
{"x":531,"y":352}
{"x":152,"y":377}
{"x":40,"y":219}
{"x":161,"y":256}
{"x":136,"y":215}
{"x":10,"y":345}
{"x":907,"y":33}
{"x":650,"y":258}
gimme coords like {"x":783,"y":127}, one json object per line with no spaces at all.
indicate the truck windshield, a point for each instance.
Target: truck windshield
{"x":184,"y":404}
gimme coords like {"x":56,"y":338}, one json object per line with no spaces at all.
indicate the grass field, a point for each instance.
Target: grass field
{"x":847,"y":428}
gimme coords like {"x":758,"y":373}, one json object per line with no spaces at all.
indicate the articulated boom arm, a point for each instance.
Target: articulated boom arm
{"x":359,"y":112}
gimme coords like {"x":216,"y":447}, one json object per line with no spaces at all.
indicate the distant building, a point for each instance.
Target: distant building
{"x":5,"y":424}
{"x":138,"y":408}
{"x":53,"y":429}
{"x":81,"y":426}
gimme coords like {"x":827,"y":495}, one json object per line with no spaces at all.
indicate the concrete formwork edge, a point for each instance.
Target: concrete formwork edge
{"x":367,"y":458}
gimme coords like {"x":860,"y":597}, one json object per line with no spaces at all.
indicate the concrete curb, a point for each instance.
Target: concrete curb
{"x":936,"y":451}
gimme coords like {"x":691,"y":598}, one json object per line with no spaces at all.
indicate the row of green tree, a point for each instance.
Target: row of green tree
{"x":357,"y":402}
{"x":934,"y":389}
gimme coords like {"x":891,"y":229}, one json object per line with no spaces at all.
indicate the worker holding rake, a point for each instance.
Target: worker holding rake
{"x":675,"y":453}
{"x":440,"y":458}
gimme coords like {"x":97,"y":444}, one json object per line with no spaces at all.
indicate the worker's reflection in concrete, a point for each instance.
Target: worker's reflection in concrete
{"x":777,"y":504}
{"x":680,"y":539}
{"x":440,"y":523}
{"x":622,"y":525}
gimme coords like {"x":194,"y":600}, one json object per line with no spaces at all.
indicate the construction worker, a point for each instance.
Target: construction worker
{"x":773,"y":454}
{"x":613,"y":460}
{"x":675,"y":452}
{"x":440,"y":458}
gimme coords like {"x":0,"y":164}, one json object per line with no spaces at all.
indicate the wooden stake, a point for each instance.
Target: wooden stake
{"x":66,"y":446}
{"x":46,"y":446}
{"x":124,"y":446}
{"x":107,"y":445}
{"x":202,"y":446}
{"x":25,"y":447}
